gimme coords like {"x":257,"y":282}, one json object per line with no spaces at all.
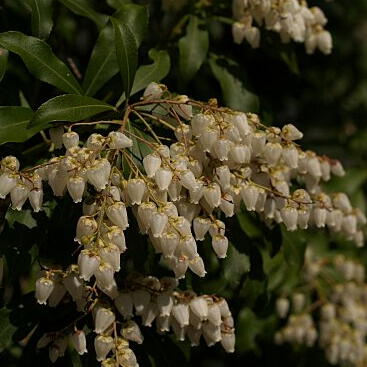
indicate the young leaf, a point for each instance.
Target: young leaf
{"x":102,"y":65}
{"x":153,"y":72}
{"x":126,"y":52}
{"x":40,"y":60}
{"x":193,"y":49}
{"x":41,"y":17}
{"x":83,"y":8}
{"x":68,"y":107}
{"x":13,"y":124}
{"x":150,"y":73}
{"x":3,"y":62}
{"x":235,"y":95}
{"x":135,"y":17}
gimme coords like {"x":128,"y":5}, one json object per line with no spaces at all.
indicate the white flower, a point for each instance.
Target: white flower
{"x":79,"y":341}
{"x":118,"y":140}
{"x":104,"y":318}
{"x":44,"y":288}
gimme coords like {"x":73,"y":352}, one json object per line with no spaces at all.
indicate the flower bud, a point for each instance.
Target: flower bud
{"x":19,"y":195}
{"x":200,"y":122}
{"x":180,"y":312}
{"x":214,"y":315}
{"x":70,"y":139}
{"x":44,"y":288}
{"x":131,"y":331}
{"x":211,"y":333}
{"x":79,"y":341}
{"x":238,"y":32}
{"x":115,"y":236}
{"x":199,"y":306}
{"x":164,"y":304}
{"x":220,"y":245}
{"x":158,"y":224}
{"x":222,"y":148}
{"x":103,"y":345}
{"x":111,"y":254}
{"x":7,"y":183}
{"x":289,"y":216}
{"x":118,"y":140}
{"x":201,"y":226}
{"x":74,"y":285}
{"x":117,"y":214}
{"x":36,"y":199}
{"x":151,"y":163}
{"x":196,"y":265}
{"x":99,"y":173}
{"x":57,"y":294}
{"x":136,"y":190}
{"x":212,"y":194}
{"x":88,"y":263}
{"x":76,"y":186}
{"x":153,"y":91}
{"x":163,"y":178}
{"x":250,"y":194}
{"x":169,"y":243}
{"x":103,"y":320}
{"x":105,"y":275}
{"x":57,"y":349}
{"x":228,"y":342}
{"x":86,"y":226}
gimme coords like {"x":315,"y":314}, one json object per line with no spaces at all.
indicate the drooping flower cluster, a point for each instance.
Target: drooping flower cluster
{"x":187,"y":314}
{"x":331,"y":313}
{"x":294,"y":20}
{"x":220,"y":160}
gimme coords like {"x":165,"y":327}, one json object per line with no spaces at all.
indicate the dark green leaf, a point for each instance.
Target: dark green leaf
{"x":294,"y":246}
{"x":41,"y":17}
{"x":6,"y":329}
{"x":153,"y":72}
{"x":248,"y":224}
{"x":13,"y":124}
{"x":235,"y":95}
{"x":126,"y":52}
{"x":68,"y":107}
{"x":40,"y":60}
{"x":116,"y":4}
{"x":150,"y":73}
{"x":83,"y":8}
{"x":3,"y":62}
{"x":193,"y":48}
{"x":102,"y":65}
{"x":135,"y":17}
{"x":235,"y":265}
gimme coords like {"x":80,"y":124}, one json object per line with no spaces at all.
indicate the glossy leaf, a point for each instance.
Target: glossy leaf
{"x":126,"y":52}
{"x":3,"y":62}
{"x":40,"y":60}
{"x":116,"y":4}
{"x":83,"y":8}
{"x":68,"y":107}
{"x":294,"y":247}
{"x":193,"y":48}
{"x":135,"y":17}
{"x":102,"y":65}
{"x":150,"y":73}
{"x":41,"y":17}
{"x":14,"y":122}
{"x":235,"y":95}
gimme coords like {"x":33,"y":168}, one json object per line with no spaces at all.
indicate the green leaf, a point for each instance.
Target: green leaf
{"x":83,"y":8}
{"x":248,"y":224}
{"x":41,"y":17}
{"x":294,"y":247}
{"x":13,"y":124}
{"x":68,"y":107}
{"x":235,"y":95}
{"x":235,"y":265}
{"x":40,"y":60}
{"x":102,"y":65}
{"x":150,"y":73}
{"x":3,"y":62}
{"x":153,"y":72}
{"x":126,"y":52}
{"x":193,"y":48}
{"x":135,"y":17}
{"x":7,"y":329}
{"x":116,"y":4}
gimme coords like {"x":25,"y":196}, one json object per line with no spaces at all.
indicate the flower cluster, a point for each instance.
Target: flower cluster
{"x":292,"y":19}
{"x":187,"y":314}
{"x":333,"y":313}
{"x":220,"y":161}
